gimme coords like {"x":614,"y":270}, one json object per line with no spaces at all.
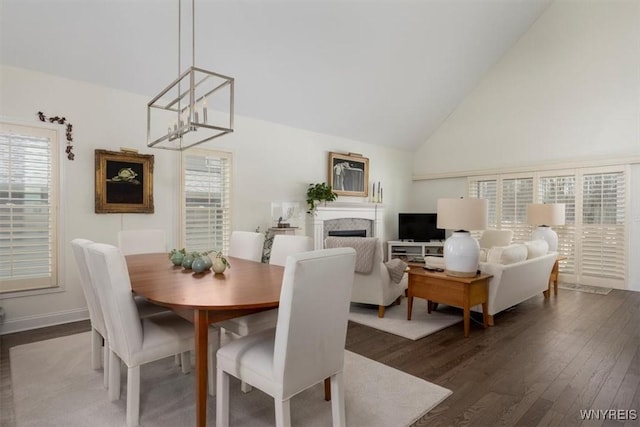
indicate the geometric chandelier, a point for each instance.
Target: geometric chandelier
{"x":181,"y":115}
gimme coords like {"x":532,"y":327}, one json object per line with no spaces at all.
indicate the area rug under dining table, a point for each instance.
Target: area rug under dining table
{"x":54,"y":385}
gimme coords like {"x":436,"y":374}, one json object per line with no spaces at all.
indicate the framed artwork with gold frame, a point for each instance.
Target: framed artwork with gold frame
{"x":349,"y":174}
{"x":124,"y":182}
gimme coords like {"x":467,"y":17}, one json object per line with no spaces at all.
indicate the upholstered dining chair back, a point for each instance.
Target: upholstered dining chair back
{"x":285,"y":245}
{"x":111,"y":278}
{"x":246,"y":245}
{"x":95,"y":312}
{"x":132,"y":242}
{"x":312,"y":318}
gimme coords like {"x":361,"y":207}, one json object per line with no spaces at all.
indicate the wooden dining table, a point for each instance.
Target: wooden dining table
{"x":205,"y":298}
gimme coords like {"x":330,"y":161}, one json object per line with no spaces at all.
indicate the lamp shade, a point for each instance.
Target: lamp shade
{"x":462,"y":214}
{"x":545,"y":214}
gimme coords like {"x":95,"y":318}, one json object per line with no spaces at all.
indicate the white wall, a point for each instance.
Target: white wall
{"x":569,"y":90}
{"x":270,"y":163}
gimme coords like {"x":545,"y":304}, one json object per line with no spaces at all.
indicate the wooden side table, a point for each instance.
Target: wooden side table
{"x":553,"y":277}
{"x":462,"y":292}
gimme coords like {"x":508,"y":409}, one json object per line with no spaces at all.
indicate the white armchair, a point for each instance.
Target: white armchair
{"x":375,"y":287}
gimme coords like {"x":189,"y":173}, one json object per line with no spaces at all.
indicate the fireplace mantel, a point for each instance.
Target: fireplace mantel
{"x":338,"y":210}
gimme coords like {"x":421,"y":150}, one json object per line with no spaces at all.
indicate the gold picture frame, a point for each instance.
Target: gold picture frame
{"x":349,"y":174}
{"x":124,"y":182}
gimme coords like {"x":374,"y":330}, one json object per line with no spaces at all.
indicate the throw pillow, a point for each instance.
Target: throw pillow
{"x":536,"y":248}
{"x":507,"y":254}
{"x":396,"y":268}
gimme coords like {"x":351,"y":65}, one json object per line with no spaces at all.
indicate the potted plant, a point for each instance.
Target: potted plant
{"x":320,"y":192}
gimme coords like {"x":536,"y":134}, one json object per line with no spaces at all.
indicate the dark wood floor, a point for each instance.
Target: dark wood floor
{"x":542,"y":362}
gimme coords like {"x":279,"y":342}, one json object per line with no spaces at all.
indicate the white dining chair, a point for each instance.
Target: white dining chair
{"x":99,"y":336}
{"x":132,"y":242}
{"x":246,"y":245}
{"x":132,"y":340}
{"x":307,"y":344}
{"x":285,"y":245}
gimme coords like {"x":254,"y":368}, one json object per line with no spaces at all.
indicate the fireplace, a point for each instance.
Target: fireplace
{"x":348,"y":233}
{"x":338,"y":216}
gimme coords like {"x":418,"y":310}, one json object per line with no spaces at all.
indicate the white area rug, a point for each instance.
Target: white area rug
{"x":395,"y":319}
{"x":54,"y":385}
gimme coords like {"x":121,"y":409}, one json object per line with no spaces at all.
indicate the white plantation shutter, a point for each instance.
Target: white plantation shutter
{"x":485,"y":188}
{"x":562,"y":189}
{"x":603,"y":225}
{"x":28,"y":241}
{"x":516,"y":195}
{"x":594,"y":235}
{"x":206,"y":190}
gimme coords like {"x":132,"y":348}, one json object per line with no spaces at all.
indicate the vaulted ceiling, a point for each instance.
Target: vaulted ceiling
{"x":384,"y":72}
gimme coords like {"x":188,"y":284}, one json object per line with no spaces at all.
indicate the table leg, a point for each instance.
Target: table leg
{"x":409,"y":306}
{"x":467,"y":320}
{"x":201,"y":330}
{"x":485,"y":315}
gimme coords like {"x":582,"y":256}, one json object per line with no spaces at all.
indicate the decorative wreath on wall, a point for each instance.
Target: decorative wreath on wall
{"x":69,"y":126}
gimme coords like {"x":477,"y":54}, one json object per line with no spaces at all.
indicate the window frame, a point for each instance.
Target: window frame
{"x":578,"y":174}
{"x":182,"y":194}
{"x":57,"y":248}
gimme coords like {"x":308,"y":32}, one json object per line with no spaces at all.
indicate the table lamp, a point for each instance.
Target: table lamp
{"x":544,"y":215}
{"x":461,"y":251}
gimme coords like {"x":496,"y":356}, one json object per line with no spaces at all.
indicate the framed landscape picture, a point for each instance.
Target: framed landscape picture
{"x":124,"y":182}
{"x":349,"y":174}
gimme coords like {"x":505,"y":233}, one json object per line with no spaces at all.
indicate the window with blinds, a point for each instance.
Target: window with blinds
{"x":562,"y":189}
{"x":206,"y":196}
{"x":594,"y":235}
{"x":516,"y":195}
{"x":603,"y":225}
{"x":28,"y":178}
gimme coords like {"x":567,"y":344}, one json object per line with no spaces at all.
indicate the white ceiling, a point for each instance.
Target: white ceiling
{"x":384,"y":72}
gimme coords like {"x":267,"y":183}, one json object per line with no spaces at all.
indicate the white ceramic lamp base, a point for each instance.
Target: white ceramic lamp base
{"x":544,"y":232}
{"x":461,"y":255}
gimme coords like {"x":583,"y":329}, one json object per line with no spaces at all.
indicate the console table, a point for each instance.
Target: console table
{"x":437,"y":287}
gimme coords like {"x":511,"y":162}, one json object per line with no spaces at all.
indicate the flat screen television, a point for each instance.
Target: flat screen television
{"x":419,"y":227}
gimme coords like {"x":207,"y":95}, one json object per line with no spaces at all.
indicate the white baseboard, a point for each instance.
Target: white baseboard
{"x":40,"y":321}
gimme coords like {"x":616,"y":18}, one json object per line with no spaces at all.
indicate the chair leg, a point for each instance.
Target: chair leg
{"x":105,"y":363}
{"x":337,"y":400}
{"x":96,"y":349}
{"x":222,"y":398}
{"x":214,"y":345}
{"x":327,"y":389}
{"x":133,"y":396}
{"x":381,"y":311}
{"x":185,"y":362}
{"x":114,"y":376}
{"x":283,"y":413}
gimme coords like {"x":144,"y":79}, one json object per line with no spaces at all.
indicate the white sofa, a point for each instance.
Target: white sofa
{"x":375,"y":287}
{"x":520,"y":271}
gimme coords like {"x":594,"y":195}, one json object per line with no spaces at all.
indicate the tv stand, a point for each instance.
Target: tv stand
{"x":413,"y":251}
